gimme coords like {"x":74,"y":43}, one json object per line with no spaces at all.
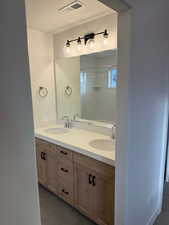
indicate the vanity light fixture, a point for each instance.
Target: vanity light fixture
{"x":88,"y":40}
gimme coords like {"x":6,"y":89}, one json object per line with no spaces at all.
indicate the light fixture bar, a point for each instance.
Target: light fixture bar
{"x":88,"y":36}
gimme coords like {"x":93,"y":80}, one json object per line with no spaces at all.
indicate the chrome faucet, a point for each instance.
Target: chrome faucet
{"x":68,"y":123}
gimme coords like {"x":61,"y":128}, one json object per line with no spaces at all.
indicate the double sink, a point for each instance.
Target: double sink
{"x":100,"y":144}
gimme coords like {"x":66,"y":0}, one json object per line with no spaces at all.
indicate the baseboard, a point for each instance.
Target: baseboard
{"x":154,"y":217}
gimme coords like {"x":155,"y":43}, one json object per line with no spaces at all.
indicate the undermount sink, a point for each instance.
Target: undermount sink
{"x":102,"y":144}
{"x":59,"y":130}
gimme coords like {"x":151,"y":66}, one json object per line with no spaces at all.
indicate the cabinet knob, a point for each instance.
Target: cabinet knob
{"x":64,"y":153}
{"x":43,"y":155}
{"x":64,"y":170}
{"x":65,"y":192}
{"x":90,"y":179}
{"x":94,"y":181}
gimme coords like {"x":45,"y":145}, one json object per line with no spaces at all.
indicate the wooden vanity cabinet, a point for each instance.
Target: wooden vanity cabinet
{"x":55,"y":169}
{"x":84,"y":190}
{"x":103,"y":200}
{"x":95,"y":200}
{"x":94,"y":189}
{"x":83,"y":182}
{"x":47,"y":164}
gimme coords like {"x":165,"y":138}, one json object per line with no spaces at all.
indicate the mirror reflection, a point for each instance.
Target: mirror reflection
{"x":86,"y":87}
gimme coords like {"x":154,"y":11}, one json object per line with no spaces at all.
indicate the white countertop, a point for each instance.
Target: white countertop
{"x":78,"y":140}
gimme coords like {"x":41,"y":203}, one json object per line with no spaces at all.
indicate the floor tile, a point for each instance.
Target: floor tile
{"x":55,"y":211}
{"x":163,"y":218}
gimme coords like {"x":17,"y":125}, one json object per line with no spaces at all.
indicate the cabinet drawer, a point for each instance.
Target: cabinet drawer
{"x":65,"y":190}
{"x":64,"y":153}
{"x":102,"y":168}
{"x":65,"y":169}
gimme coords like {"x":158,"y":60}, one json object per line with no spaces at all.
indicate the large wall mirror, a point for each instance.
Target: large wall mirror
{"x":86,"y":86}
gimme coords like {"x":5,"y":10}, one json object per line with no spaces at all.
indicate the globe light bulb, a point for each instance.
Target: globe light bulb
{"x":91,"y":44}
{"x":79,"y":45}
{"x":68,"y":47}
{"x":67,"y":50}
{"x":105,"y":37}
{"x":105,"y":41}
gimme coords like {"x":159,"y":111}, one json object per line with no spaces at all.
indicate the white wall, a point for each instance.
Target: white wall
{"x":68,"y":74}
{"x":41,"y":60}
{"x":142,"y":111}
{"x":99,"y":25}
{"x":19,"y":192}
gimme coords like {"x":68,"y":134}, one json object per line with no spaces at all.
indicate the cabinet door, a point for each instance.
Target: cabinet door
{"x":41,"y":162}
{"x":104,"y":199}
{"x":84,"y":190}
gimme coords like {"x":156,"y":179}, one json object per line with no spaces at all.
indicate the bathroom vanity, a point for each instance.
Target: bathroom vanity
{"x":77,"y":173}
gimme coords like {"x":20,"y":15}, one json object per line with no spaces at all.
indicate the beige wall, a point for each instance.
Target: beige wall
{"x":68,"y":74}
{"x":40,"y":46}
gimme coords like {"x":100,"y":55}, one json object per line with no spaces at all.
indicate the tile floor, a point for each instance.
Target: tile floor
{"x":163,"y":218}
{"x":55,"y":211}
